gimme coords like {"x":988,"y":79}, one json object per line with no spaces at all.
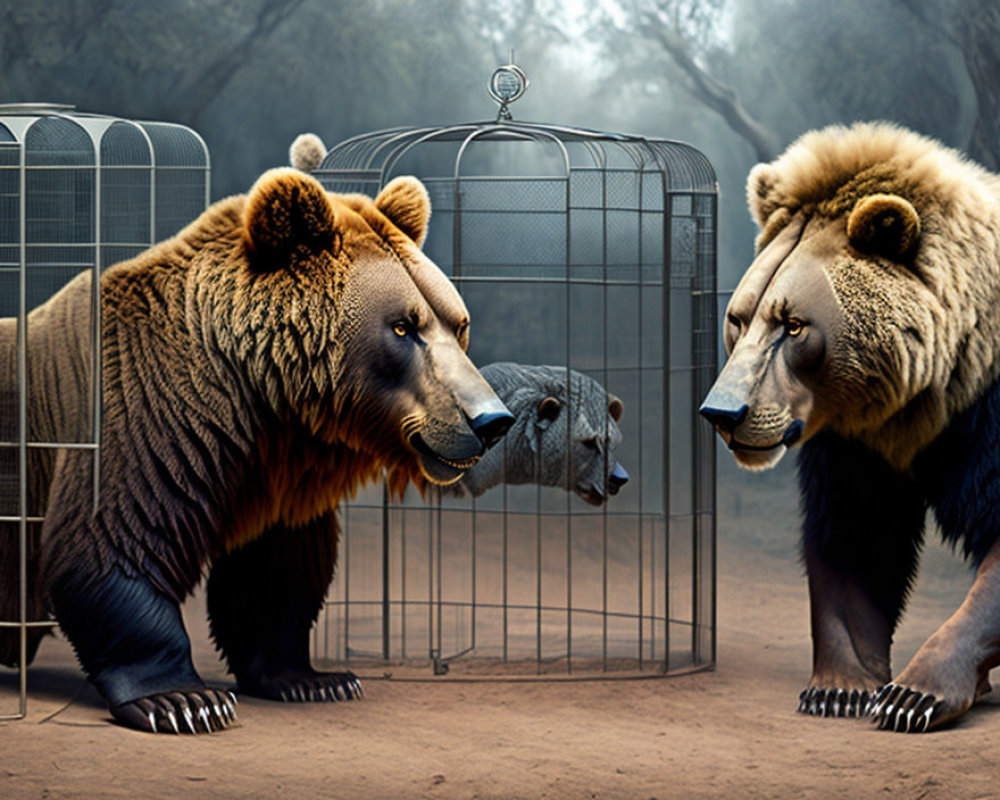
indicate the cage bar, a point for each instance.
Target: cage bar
{"x":584,"y":249}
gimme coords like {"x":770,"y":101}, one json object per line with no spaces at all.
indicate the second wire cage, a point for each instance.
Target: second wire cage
{"x":79,"y":192}
{"x":579,"y":249}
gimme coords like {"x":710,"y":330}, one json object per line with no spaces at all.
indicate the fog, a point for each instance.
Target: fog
{"x":249,"y":76}
{"x":738,"y":79}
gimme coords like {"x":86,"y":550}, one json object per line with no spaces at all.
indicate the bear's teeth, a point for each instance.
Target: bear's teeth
{"x":467,"y":463}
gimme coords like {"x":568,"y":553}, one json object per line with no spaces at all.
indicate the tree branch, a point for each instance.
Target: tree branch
{"x":979,"y":29}
{"x":198,"y":91}
{"x":713,"y":93}
{"x":919,"y":10}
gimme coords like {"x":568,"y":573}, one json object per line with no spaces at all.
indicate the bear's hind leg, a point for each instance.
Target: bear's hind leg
{"x":131,"y":642}
{"x":263,"y":599}
{"x":950,"y":671}
{"x":10,"y":595}
{"x":862,"y":529}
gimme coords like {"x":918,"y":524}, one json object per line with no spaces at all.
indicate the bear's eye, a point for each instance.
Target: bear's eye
{"x":401,"y":328}
{"x":793,"y":326}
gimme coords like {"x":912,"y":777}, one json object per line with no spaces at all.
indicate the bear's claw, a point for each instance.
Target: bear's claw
{"x":203,"y":711}
{"x":903,"y":710}
{"x":821,"y":702}
{"x":328,"y":687}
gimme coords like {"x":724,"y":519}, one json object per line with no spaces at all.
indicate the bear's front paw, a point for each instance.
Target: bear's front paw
{"x":822,"y":702}
{"x":203,"y":711}
{"x":899,"y":708}
{"x":938,"y":686}
{"x":306,"y":687}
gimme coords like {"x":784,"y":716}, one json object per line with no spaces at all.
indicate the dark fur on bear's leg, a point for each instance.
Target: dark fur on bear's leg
{"x":263,"y":599}
{"x":862,"y":530}
{"x":131,"y":642}
{"x":10,"y":638}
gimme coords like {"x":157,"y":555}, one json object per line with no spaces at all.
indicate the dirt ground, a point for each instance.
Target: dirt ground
{"x":729,"y":733}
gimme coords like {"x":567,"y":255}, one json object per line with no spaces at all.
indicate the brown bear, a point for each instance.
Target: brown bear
{"x":867,"y":330}
{"x":281,"y":350}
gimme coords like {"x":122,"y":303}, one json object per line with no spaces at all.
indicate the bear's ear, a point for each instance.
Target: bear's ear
{"x":546,"y":413}
{"x":760,"y":188}
{"x":615,"y":407}
{"x":307,"y":152}
{"x":405,"y":201}
{"x":884,"y":225}
{"x":548,"y":409}
{"x":286,"y":210}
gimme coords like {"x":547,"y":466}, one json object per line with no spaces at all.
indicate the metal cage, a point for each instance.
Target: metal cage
{"x":77,"y":192}
{"x":594,"y":251}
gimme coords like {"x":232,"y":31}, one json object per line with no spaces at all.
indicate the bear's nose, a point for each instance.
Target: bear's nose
{"x":617,"y":479}
{"x":725,"y":419}
{"x":490,"y":427}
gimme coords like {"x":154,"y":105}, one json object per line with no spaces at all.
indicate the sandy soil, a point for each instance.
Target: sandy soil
{"x":729,"y":733}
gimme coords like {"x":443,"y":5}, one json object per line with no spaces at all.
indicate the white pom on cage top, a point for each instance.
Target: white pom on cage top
{"x":307,"y":152}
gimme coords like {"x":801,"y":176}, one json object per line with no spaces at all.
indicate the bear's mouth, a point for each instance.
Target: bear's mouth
{"x":757,"y":457}
{"x":791,"y":435}
{"x":734,"y":445}
{"x":591,"y":495}
{"x":438,"y":468}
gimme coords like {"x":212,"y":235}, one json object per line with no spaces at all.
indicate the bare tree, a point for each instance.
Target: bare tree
{"x":969,"y":29}
{"x":973,"y":27}
{"x":160,"y":52}
{"x":680,"y":28}
{"x":978,"y":26}
{"x":515,"y":23}
{"x":197,"y":88}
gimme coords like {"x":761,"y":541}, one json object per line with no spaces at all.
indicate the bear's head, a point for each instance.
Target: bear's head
{"x":348,"y":329}
{"x":869,"y":309}
{"x":566,"y":433}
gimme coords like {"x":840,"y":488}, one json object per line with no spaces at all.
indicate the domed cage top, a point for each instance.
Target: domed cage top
{"x":78,"y":192}
{"x":581,"y":249}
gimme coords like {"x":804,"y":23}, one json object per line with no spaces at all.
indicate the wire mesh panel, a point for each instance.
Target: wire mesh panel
{"x":78,"y":193}
{"x":180,"y":177}
{"x":583,"y":250}
{"x":126,"y":193}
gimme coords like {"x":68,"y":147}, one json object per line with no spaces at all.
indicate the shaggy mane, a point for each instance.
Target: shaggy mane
{"x":820,"y":162}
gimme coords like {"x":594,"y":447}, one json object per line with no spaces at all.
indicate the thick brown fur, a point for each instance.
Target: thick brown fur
{"x":227,"y":408}
{"x":257,"y":368}
{"x":63,"y":331}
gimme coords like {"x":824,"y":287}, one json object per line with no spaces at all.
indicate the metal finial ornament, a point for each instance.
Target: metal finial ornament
{"x":506,"y":85}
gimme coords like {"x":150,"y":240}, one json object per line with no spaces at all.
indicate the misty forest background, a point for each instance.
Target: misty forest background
{"x":739,"y":79}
